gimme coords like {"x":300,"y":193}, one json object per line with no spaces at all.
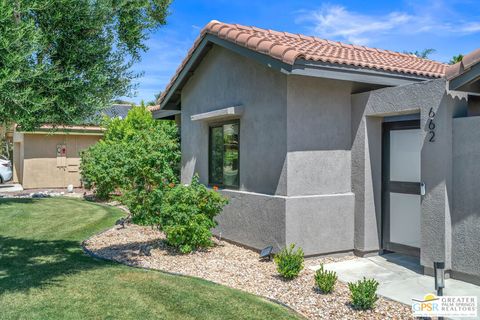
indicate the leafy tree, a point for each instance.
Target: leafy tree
{"x":424,"y":54}
{"x":63,"y":60}
{"x":456,"y":59}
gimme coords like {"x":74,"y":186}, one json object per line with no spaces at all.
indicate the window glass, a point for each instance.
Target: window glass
{"x":216,"y":155}
{"x":230,"y":159}
{"x":224,"y":155}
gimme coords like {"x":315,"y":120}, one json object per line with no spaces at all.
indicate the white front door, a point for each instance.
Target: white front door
{"x":402,"y":142}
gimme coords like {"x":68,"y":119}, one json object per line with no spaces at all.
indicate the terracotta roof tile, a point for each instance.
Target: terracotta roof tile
{"x":467,"y":62}
{"x":288,"y":47}
{"x":153,"y":108}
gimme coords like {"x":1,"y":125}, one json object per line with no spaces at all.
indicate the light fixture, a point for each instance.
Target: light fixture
{"x":439,"y":272}
{"x":266,"y":253}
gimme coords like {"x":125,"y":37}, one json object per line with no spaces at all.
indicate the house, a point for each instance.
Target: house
{"x":49,"y":157}
{"x":335,"y":147}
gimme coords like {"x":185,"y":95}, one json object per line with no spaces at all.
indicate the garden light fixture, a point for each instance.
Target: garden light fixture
{"x":439,"y":272}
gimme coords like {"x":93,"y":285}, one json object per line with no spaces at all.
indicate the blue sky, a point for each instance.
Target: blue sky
{"x":450,"y":27}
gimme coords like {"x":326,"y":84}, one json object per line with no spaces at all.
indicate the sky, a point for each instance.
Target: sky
{"x":450,"y":27}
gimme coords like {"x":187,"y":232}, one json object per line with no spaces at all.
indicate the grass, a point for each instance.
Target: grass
{"x":44,"y":274}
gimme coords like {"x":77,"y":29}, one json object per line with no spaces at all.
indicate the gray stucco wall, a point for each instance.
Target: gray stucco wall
{"x":436,"y":162}
{"x":294,"y":153}
{"x":320,"y":224}
{"x":226,"y":79}
{"x":318,"y":136}
{"x":320,"y":204}
{"x":466,"y":201}
{"x":253,"y":219}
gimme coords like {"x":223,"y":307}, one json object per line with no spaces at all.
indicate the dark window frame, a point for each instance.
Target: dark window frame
{"x":217,"y":125}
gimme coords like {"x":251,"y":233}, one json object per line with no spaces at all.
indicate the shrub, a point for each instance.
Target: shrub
{"x":188,"y":215}
{"x":100,"y":168}
{"x":138,"y":156}
{"x":325,"y":280}
{"x":289,"y":262}
{"x":363,"y":293}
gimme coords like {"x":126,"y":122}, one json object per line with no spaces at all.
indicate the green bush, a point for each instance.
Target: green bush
{"x":188,"y":215}
{"x":325,"y":280}
{"x":138,"y":156}
{"x":100,"y":168}
{"x":363,"y":293}
{"x":289,"y":262}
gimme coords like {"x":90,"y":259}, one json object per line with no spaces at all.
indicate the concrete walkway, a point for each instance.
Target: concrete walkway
{"x":10,"y":187}
{"x":399,"y":276}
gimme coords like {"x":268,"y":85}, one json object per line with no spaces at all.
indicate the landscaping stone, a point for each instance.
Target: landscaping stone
{"x":239,"y":268}
{"x":43,"y":193}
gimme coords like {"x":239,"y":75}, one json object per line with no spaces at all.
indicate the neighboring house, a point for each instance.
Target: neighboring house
{"x":50,"y":157}
{"x":334,"y":147}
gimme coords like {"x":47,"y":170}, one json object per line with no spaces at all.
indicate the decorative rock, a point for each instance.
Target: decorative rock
{"x":239,"y":268}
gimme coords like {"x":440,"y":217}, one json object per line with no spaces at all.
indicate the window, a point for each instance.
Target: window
{"x":224,"y":152}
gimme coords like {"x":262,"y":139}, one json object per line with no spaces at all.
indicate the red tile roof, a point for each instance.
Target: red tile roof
{"x":153,"y":108}
{"x":288,"y":47}
{"x":467,"y":62}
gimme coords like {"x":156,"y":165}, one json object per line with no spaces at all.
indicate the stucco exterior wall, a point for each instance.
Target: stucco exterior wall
{"x":318,"y":136}
{"x":294,"y":153}
{"x":320,"y":204}
{"x":255,"y":216}
{"x":466,"y":202}
{"x":40,"y":168}
{"x":253,"y":219}
{"x":436,"y":162}
{"x":226,"y":79}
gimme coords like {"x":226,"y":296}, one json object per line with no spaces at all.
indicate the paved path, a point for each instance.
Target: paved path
{"x":399,"y":276}
{"x":10,"y":187}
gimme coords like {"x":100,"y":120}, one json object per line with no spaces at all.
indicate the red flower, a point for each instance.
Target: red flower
{"x":215,"y":188}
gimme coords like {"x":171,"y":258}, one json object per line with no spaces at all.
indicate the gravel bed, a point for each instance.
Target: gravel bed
{"x":239,"y":268}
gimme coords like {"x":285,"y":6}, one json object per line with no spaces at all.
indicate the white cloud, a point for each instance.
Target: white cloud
{"x":471,"y":27}
{"x":337,"y":22}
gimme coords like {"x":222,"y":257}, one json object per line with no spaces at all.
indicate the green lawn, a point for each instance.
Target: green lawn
{"x":44,"y":274}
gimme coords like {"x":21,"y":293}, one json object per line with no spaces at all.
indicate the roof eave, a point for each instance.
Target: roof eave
{"x":171,"y":100}
{"x":354,"y":73}
{"x":467,"y":81}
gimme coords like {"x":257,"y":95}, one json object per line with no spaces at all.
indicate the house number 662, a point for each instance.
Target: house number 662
{"x":431,"y":125}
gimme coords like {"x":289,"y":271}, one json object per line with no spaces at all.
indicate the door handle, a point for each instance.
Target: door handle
{"x":422,"y":188}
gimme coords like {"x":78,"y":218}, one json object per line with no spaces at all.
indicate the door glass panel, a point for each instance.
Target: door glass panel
{"x":405,"y":219}
{"x":405,"y":148}
{"x":230,"y":161}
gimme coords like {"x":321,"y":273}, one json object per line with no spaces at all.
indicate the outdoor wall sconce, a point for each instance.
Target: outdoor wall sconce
{"x":439,"y":272}
{"x":266,"y":253}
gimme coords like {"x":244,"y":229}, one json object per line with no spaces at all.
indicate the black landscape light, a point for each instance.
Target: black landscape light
{"x":266,"y":253}
{"x":439,"y":272}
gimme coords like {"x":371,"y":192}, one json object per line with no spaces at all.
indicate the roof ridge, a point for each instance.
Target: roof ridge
{"x":317,"y":39}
